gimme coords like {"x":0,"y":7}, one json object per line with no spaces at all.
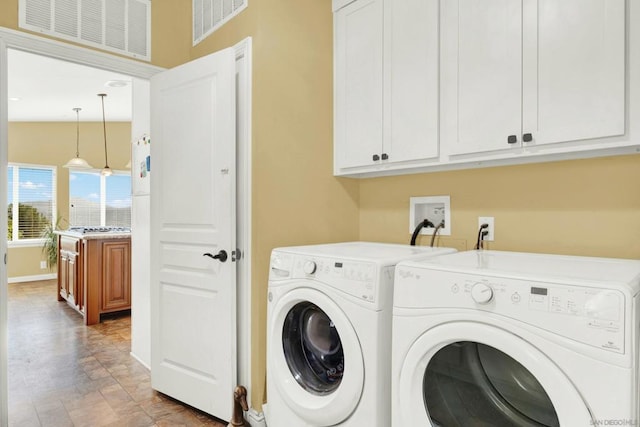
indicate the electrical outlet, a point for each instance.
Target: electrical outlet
{"x":490,"y":237}
{"x":43,"y":265}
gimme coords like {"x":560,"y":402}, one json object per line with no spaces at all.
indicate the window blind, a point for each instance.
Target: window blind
{"x":96,"y":200}
{"x":31,"y":201}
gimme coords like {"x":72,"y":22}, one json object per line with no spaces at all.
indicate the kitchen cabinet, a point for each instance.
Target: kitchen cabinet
{"x":108,"y":273}
{"x":69,"y":272}
{"x":520,"y":78}
{"x":386,"y":84}
{"x":94,"y":273}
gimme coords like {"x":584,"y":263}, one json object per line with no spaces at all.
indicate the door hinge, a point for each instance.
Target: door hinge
{"x":5,"y":258}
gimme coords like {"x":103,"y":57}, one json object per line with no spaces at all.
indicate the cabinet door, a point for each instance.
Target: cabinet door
{"x":63,"y":280}
{"x":358,"y":45}
{"x":574,"y":69}
{"x":116,"y":276}
{"x":411,"y":114}
{"x":72,"y":284}
{"x":481,"y":74}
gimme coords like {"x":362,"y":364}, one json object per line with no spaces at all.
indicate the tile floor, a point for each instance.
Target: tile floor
{"x":63,"y":373}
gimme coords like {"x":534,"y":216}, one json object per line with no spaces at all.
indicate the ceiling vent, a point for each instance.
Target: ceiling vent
{"x":209,"y":15}
{"x":121,"y":26}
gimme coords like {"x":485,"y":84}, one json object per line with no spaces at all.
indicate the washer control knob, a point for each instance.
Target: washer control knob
{"x":309,"y":267}
{"x":482,"y":293}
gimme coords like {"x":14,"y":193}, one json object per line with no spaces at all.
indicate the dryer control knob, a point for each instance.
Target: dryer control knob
{"x":482,"y":293}
{"x":309,"y":267}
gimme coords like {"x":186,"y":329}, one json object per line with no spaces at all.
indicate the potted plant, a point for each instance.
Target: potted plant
{"x":50,"y":245}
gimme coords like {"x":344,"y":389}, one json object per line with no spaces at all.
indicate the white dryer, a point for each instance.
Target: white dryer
{"x":487,"y":338}
{"x":329,"y":333}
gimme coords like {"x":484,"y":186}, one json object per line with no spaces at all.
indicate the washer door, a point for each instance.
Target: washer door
{"x":464,"y":373}
{"x":318,"y":369}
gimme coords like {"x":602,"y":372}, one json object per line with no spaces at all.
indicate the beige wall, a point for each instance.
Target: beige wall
{"x":579,"y":207}
{"x":54,"y":143}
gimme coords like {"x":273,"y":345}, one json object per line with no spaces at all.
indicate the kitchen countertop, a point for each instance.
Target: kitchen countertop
{"x":94,"y":235}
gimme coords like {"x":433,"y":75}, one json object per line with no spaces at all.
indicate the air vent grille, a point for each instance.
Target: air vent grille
{"x":121,"y":26}
{"x":209,"y":15}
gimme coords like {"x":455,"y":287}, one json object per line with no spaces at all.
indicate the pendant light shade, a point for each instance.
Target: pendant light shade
{"x":106,"y":171}
{"x":77,"y":162}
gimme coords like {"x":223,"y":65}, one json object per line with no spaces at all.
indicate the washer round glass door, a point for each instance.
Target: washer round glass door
{"x":313,"y":349}
{"x":315,"y":359}
{"x":467,"y":373}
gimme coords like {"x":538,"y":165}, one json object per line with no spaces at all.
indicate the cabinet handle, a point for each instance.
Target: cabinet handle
{"x":512,"y":139}
{"x":385,"y":156}
{"x":376,"y":157}
{"x":527,"y":137}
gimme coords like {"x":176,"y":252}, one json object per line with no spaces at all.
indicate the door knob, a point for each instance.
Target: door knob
{"x":220,"y":256}
{"x":512,"y":139}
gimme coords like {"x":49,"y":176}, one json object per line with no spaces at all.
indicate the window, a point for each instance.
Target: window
{"x":209,"y":15}
{"x":31,"y":200}
{"x":96,"y":200}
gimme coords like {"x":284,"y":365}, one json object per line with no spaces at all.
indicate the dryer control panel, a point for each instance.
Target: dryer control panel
{"x":592,"y":315}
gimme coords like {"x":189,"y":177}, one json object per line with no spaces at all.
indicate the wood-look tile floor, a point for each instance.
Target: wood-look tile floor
{"x":63,"y":373}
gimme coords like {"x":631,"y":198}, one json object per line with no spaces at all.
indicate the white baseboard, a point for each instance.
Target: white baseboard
{"x":255,"y":418}
{"x":139,"y":360}
{"x":36,"y":278}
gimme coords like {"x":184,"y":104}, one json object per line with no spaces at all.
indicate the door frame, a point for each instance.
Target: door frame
{"x":55,"y":49}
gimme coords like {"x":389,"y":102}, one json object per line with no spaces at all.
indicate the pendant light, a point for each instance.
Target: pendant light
{"x":77,"y":162}
{"x":106,"y":171}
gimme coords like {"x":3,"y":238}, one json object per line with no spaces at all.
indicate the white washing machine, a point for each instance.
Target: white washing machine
{"x":329,"y":333}
{"x":487,"y":338}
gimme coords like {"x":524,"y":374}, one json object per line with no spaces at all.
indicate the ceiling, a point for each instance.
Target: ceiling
{"x":47,"y":89}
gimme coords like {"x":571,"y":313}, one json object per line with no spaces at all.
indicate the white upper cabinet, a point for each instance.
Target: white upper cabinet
{"x":358,"y":44}
{"x":412,"y":67}
{"x":574,"y":82}
{"x":427,"y":85}
{"x":518,"y":75}
{"x":386,"y":84}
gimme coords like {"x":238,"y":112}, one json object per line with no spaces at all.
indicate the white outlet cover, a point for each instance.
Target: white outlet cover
{"x":433,"y":208}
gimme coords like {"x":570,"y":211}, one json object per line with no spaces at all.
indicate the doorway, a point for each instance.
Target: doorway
{"x":141,"y":73}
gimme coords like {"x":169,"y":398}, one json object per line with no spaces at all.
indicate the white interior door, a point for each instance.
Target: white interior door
{"x":193,"y":297}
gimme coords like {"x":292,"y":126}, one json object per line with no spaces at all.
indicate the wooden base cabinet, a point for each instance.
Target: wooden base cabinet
{"x":108,"y":277}
{"x":70,"y":283}
{"x":94,"y":275}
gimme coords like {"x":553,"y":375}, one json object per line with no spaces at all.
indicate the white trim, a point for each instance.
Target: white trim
{"x":36,"y":278}
{"x":243,"y":211}
{"x":140,"y":361}
{"x":4,"y":144}
{"x":76,"y":54}
{"x":255,"y":418}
